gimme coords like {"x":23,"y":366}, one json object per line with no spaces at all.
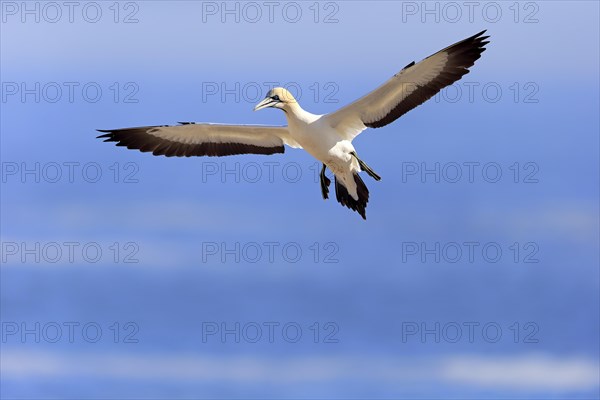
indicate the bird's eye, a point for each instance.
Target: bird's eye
{"x":276,"y":98}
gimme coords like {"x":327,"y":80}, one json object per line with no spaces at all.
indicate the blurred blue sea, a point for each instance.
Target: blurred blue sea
{"x":377,"y":313}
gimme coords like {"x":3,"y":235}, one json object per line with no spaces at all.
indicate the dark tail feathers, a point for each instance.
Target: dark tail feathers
{"x":342,"y":195}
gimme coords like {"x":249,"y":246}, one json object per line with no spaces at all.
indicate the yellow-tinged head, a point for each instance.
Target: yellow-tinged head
{"x":277,"y":97}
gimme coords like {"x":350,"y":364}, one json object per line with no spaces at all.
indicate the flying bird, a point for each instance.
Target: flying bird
{"x":327,"y":137}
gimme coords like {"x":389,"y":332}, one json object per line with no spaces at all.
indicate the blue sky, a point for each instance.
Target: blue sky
{"x":172,"y":246}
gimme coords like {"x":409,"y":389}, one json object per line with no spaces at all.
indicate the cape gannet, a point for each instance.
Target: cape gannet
{"x":327,"y":137}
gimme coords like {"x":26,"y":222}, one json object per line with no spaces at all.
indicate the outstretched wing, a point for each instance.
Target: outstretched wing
{"x":192,"y":139}
{"x":409,"y":88}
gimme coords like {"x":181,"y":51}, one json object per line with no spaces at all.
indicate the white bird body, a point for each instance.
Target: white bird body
{"x":317,"y":137}
{"x":328,"y":138}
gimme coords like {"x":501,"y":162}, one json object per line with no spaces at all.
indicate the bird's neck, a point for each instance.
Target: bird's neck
{"x":295,"y":113}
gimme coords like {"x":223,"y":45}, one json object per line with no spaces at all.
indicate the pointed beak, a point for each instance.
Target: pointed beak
{"x":267,"y":102}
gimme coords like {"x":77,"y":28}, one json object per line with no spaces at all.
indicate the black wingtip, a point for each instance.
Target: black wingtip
{"x":408,"y":65}
{"x":477,"y":37}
